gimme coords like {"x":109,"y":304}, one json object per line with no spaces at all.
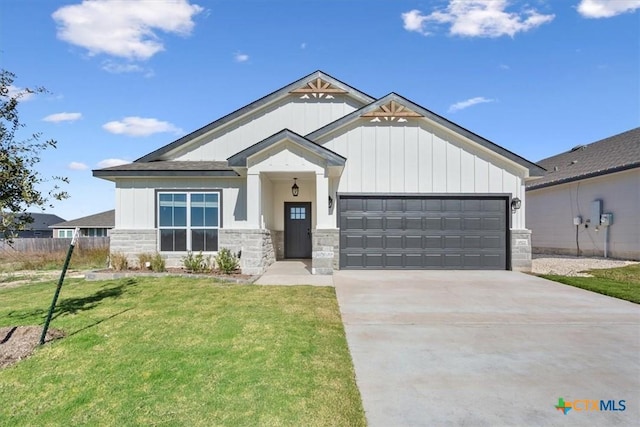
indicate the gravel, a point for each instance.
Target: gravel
{"x":571,"y":265}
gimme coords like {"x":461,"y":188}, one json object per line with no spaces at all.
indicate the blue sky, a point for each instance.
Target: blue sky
{"x":127,"y":77}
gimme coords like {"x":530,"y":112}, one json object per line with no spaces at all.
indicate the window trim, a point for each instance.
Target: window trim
{"x":188,"y":227}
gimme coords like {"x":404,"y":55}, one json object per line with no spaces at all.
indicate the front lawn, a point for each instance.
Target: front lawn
{"x":623,"y":282}
{"x":181,"y":352}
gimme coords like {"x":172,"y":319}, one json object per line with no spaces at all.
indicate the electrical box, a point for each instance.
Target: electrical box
{"x":577,"y":220}
{"x":596,"y":212}
{"x":606,"y":219}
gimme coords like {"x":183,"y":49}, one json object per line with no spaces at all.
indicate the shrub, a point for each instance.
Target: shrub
{"x":157,"y":263}
{"x":226,"y":261}
{"x":143,"y":259}
{"x":196,"y":263}
{"x":119,"y":261}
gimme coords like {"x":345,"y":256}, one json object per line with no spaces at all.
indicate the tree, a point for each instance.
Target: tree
{"x":19,"y":180}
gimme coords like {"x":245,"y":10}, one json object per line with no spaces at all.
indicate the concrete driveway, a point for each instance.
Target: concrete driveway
{"x":437,"y":348}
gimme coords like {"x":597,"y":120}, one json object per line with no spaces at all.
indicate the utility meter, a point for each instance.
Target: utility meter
{"x":606,"y":219}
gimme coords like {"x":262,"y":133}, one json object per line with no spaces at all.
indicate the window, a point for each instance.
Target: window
{"x":188,"y":221}
{"x":298,"y":213}
{"x":65,"y":234}
{"x":95,"y":232}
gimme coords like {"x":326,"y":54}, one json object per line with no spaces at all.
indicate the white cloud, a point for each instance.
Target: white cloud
{"x":476,"y":18}
{"x":468,"y":103}
{"x":20,"y":93}
{"x":77,"y":166}
{"x":606,"y":8}
{"x":504,"y":67}
{"x":107,"y":163}
{"x":241,"y":57}
{"x":63,"y":117}
{"x":139,"y":126}
{"x":414,"y":21}
{"x":117,"y":68}
{"x":303,"y":45}
{"x":126,"y":29}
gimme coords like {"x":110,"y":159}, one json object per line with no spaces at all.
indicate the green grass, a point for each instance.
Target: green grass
{"x":623,"y":283}
{"x":181,"y":351}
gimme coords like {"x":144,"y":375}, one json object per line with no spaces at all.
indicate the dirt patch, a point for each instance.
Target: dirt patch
{"x":23,"y":277}
{"x":18,"y":342}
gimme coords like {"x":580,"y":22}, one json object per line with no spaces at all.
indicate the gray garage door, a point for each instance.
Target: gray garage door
{"x":423,"y":232}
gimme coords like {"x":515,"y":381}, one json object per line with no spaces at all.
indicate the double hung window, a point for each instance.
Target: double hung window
{"x":188,"y":221}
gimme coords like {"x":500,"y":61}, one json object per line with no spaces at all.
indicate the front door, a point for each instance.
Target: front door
{"x":297,"y":230}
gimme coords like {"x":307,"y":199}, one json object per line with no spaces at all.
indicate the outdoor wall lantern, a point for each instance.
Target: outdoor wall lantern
{"x":516,"y":203}
{"x":330,"y":202}
{"x":294,"y":188}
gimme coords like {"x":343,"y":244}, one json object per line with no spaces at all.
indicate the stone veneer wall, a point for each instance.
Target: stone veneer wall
{"x":277,"y":236}
{"x":133,"y":242}
{"x":255,"y":248}
{"x":325,"y":251}
{"x":521,"y":250}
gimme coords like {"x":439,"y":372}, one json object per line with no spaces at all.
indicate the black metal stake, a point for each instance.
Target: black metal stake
{"x":59,"y":287}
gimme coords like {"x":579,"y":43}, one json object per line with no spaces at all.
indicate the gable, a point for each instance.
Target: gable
{"x":302,"y":106}
{"x":396,"y":110}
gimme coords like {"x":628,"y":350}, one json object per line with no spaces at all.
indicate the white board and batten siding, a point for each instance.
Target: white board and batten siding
{"x":299,"y":115}
{"x":415,"y":158}
{"x":136,"y":204}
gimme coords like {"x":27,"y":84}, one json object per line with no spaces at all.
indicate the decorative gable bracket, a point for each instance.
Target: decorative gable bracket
{"x":318,"y":88}
{"x":392,"y":111}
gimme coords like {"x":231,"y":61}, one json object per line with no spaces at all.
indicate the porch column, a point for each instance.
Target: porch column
{"x":254,"y":201}
{"x":323,"y":219}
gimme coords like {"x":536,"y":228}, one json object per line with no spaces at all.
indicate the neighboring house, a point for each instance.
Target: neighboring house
{"x":39,"y":228}
{"x":96,"y":225}
{"x":321,"y":170}
{"x":564,"y":208}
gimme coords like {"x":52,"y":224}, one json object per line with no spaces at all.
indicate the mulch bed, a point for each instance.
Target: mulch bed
{"x":19,"y":342}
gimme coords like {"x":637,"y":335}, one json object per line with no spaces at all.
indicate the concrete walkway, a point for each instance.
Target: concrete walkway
{"x":454,"y":348}
{"x":293,"y":272}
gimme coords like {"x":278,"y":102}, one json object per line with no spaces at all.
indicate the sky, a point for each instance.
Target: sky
{"x":126,"y":77}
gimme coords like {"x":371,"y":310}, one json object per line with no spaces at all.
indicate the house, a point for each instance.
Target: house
{"x":565,"y":208}
{"x":96,"y":225}
{"x":39,"y":227}
{"x":320,"y":170}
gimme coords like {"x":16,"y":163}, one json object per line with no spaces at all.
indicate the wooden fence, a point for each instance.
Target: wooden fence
{"x":27,"y":245}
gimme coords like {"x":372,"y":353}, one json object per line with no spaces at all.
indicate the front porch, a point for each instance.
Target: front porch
{"x":291,"y":186}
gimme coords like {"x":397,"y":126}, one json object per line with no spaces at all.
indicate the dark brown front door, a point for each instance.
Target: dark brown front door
{"x":297,"y":230}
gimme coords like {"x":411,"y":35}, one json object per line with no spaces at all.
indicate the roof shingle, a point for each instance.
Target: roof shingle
{"x":613,"y":154}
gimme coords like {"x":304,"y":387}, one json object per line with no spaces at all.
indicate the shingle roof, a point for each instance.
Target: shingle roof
{"x":105,"y":219}
{"x":616,"y":153}
{"x":41,"y":221}
{"x":168,"y":168}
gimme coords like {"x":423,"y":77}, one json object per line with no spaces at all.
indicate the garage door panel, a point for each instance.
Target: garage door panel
{"x":355,"y":223}
{"x":413,"y":242}
{"x":393,"y":223}
{"x":374,"y":205}
{"x":374,"y":242}
{"x":373,"y":223}
{"x":374,"y":260}
{"x":452,"y":223}
{"x":393,"y":242}
{"x":452,"y":242}
{"x":394,"y":205}
{"x":423,"y":232}
{"x":433,"y":223}
{"x":411,"y":223}
{"x":394,"y":261}
{"x":474,"y":223}
{"x":431,"y":242}
{"x":493,"y":223}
